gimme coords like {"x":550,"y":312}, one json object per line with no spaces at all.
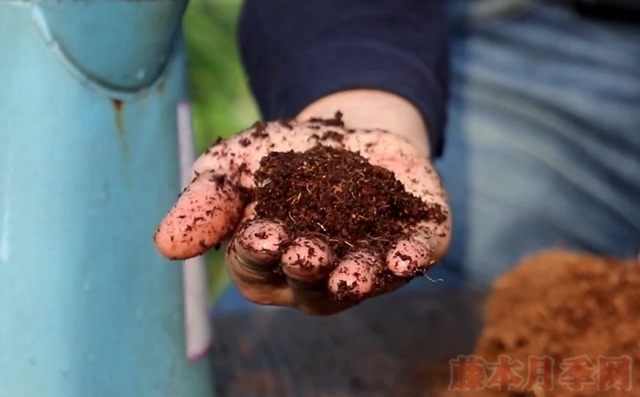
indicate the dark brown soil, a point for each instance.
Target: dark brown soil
{"x":339,"y":194}
{"x":566,"y":305}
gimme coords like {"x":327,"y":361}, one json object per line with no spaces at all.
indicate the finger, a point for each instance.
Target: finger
{"x":307,"y":259}
{"x":252,"y":259}
{"x":409,"y":257}
{"x":356,"y":276}
{"x":204,"y":215}
{"x":259,"y":245}
{"x":257,"y":285}
{"x":434,"y":236}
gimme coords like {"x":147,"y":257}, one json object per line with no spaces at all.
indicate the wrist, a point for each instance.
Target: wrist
{"x":369,"y":109}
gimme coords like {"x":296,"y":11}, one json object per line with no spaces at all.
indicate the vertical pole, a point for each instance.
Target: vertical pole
{"x":88,"y":166}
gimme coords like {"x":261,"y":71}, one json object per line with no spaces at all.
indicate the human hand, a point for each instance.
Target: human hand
{"x":269,"y":265}
{"x":260,"y":255}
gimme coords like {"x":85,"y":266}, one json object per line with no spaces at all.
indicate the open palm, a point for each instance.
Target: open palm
{"x":216,"y":206}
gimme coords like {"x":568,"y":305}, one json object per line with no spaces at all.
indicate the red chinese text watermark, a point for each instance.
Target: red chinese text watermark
{"x":472,"y":373}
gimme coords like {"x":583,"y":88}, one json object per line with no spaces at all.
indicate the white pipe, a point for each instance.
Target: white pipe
{"x":198,"y":330}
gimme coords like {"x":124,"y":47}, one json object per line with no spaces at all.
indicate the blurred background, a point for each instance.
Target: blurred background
{"x":221,"y":102}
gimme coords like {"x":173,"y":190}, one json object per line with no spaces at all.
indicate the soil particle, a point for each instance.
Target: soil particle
{"x":336,"y":121}
{"x":286,"y":123}
{"x":218,"y":179}
{"x":259,"y":130}
{"x":261,"y":235}
{"x":402,"y":256}
{"x":346,"y":290}
{"x":332,"y":135}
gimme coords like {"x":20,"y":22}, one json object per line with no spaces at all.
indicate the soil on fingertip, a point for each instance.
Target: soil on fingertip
{"x":339,"y":194}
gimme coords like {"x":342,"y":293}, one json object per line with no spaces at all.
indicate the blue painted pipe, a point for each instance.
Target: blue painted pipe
{"x":88,"y":167}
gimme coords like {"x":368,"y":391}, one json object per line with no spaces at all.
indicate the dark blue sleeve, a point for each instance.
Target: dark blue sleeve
{"x":297,"y":51}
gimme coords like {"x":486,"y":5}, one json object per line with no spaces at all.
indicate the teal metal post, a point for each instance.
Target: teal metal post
{"x":88,"y":166}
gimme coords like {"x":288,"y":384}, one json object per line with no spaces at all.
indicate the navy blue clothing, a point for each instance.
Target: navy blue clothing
{"x":297,"y":51}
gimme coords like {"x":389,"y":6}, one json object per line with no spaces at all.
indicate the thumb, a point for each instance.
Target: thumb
{"x":204,"y":215}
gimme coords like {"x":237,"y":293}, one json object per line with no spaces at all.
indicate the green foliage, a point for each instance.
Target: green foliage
{"x":221,"y":102}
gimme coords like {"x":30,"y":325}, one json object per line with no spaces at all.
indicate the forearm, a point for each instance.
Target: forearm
{"x":374,"y":109}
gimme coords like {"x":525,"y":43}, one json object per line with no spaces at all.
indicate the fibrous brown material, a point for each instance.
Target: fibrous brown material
{"x":338,"y":194}
{"x":568,"y":307}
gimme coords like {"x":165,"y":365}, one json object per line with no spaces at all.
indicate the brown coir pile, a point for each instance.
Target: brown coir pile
{"x":573,"y":308}
{"x":339,"y":194}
